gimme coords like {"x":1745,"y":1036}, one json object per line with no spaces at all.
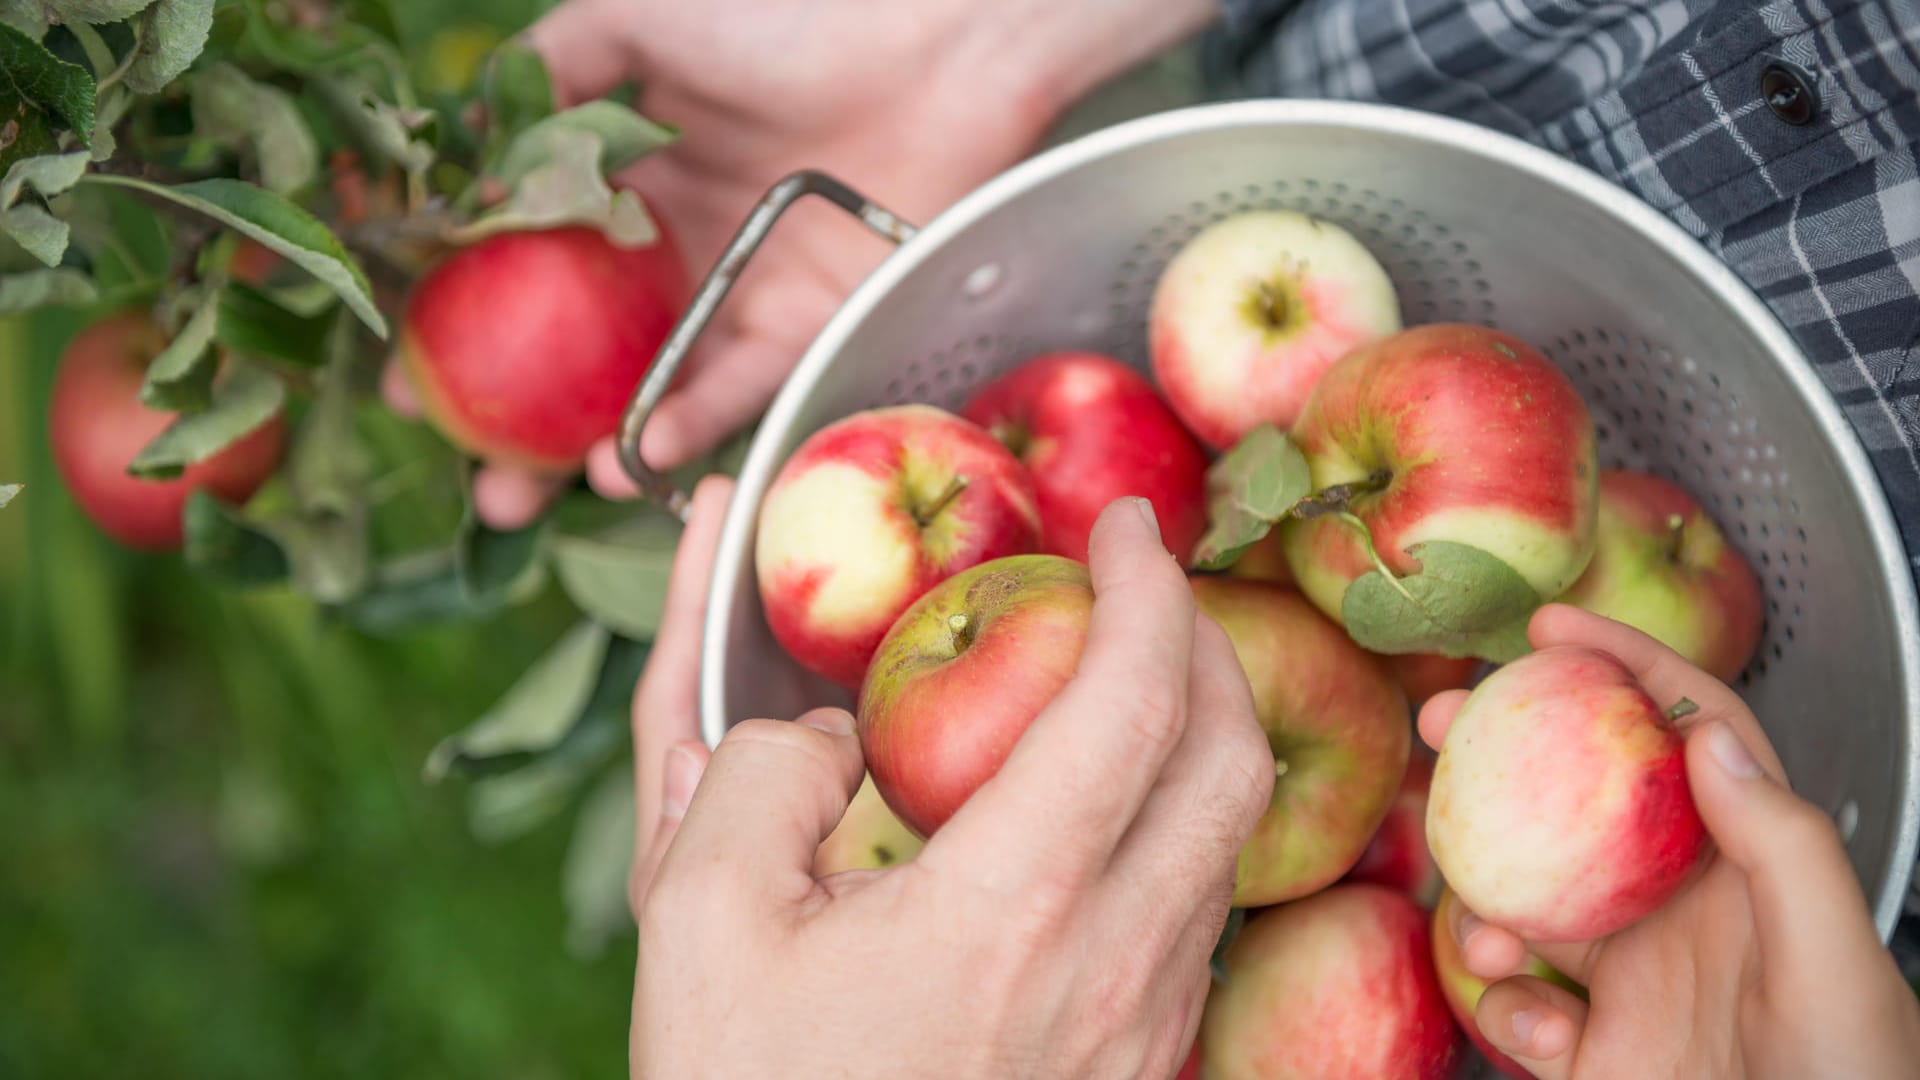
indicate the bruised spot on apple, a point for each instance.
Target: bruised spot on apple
{"x":1462,"y":988}
{"x":1335,"y":986}
{"x":525,"y":347}
{"x":961,"y":675}
{"x":1663,"y":567}
{"x":97,"y":425}
{"x":1091,"y":430}
{"x":1560,"y":807}
{"x":1250,"y":313}
{"x":1338,"y":729}
{"x":868,"y":514}
{"x":1397,"y":856}
{"x":869,"y":837}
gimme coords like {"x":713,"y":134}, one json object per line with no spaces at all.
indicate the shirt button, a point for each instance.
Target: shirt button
{"x":1789,"y":93}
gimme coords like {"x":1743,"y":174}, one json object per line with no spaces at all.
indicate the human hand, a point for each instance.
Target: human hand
{"x":1767,"y":964}
{"x":915,"y":104}
{"x":1059,"y":925}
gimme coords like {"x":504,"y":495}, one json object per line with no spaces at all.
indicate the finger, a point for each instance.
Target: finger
{"x":666,"y":701}
{"x":606,"y":475}
{"x":772,"y":791}
{"x":588,"y":46}
{"x":680,"y":776}
{"x":1534,"y":1022}
{"x":1494,"y":952}
{"x":1077,"y":777}
{"x":397,"y":390}
{"x":1798,"y":874}
{"x":507,"y":497}
{"x":731,"y":385}
{"x":1436,"y":716}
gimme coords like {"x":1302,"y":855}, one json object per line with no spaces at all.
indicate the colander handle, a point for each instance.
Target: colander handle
{"x":719,"y":282}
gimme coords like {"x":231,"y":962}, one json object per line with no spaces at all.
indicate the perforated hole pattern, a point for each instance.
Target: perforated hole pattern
{"x":1652,"y":410}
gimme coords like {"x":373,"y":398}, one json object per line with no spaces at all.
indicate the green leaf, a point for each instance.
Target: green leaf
{"x":48,"y":174}
{"x":180,"y":379}
{"x":252,"y":323}
{"x":44,"y":288}
{"x":327,"y":551}
{"x":618,"y":576}
{"x":8,"y":491}
{"x":568,"y":190}
{"x":517,"y":90}
{"x":29,"y":17}
{"x":1462,"y":602}
{"x":400,"y":135}
{"x":172,"y":33}
{"x":492,"y":563}
{"x":247,"y":398}
{"x":38,"y":233}
{"x":231,"y":108}
{"x":280,"y":225}
{"x":94,"y":11}
{"x":593,"y":881}
{"x":377,"y":16}
{"x":537,"y":711}
{"x":299,"y":49}
{"x":38,"y":89}
{"x":412,"y":590}
{"x":625,"y":137}
{"x":1251,"y":487}
{"x":223,"y":547}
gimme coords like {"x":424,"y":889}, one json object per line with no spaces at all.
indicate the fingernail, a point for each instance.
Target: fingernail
{"x":683,"y":771}
{"x":1731,"y":753}
{"x":1525,"y":1023}
{"x":832,"y":721}
{"x":1146,"y":511}
{"x":1466,"y":926}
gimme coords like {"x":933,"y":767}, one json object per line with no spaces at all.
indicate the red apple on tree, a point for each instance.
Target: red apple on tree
{"x":1397,"y":855}
{"x":524,"y":347}
{"x":1253,"y":310}
{"x":1462,"y":988}
{"x":1091,"y":430}
{"x":1663,"y":567}
{"x":1465,"y":461}
{"x":869,"y":837}
{"x":961,"y":675}
{"x":1338,"y":728}
{"x":97,"y":425}
{"x":868,"y":514}
{"x":1560,"y":807}
{"x":1336,"y":986}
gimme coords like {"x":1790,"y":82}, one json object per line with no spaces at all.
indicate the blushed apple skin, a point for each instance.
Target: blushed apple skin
{"x":1560,"y":807}
{"x":841,"y":550}
{"x":1336,"y":986}
{"x":1226,"y":366}
{"x":869,"y":837}
{"x":939,"y":713}
{"x":97,"y":425}
{"x":1333,"y":717}
{"x":1397,"y":856}
{"x":1685,"y":586}
{"x":1462,"y":988}
{"x":1091,"y":430}
{"x":1422,"y":675}
{"x":1487,"y":444}
{"x":524,"y":347}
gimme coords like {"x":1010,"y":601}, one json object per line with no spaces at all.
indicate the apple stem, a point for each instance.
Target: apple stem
{"x":961,"y":628}
{"x":1279,"y":768}
{"x":1676,"y":536}
{"x":1336,"y":498}
{"x":952,"y":491}
{"x":1682,"y":708}
{"x":1272,"y":304}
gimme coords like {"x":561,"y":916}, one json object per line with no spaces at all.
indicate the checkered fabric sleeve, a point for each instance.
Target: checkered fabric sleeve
{"x":1781,"y":133}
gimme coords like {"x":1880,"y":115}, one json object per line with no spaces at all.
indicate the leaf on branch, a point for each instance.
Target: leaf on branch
{"x":27,"y":16}
{"x":493,"y":564}
{"x":517,"y":90}
{"x":40,"y":94}
{"x":400,"y":135}
{"x":253,"y":324}
{"x":224,"y":547}
{"x":8,"y":491}
{"x":1250,"y":488}
{"x":231,"y":108}
{"x":625,"y":137}
{"x":593,"y":881}
{"x":618,"y":576}
{"x":537,"y":711}
{"x":245,"y":399}
{"x":94,"y":12}
{"x":278,"y":224}
{"x":1462,"y":602}
{"x":44,"y":288}
{"x":172,"y":33}
{"x":180,"y":379}
{"x":568,"y":190}
{"x":327,"y":552}
{"x":344,"y":43}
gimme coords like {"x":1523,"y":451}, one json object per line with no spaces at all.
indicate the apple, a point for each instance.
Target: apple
{"x":97,"y":425}
{"x":1462,"y":988}
{"x":1663,"y":567}
{"x":869,"y":837}
{"x":1190,"y":1070}
{"x":1447,"y":433}
{"x":1560,"y":807}
{"x":1338,"y":729}
{"x":1397,"y":855}
{"x":1423,"y":675}
{"x":872,"y":511}
{"x":1265,"y":561}
{"x":1335,"y":986}
{"x":1091,"y":430}
{"x":961,"y":675}
{"x":524,"y":347}
{"x":1252,"y":311}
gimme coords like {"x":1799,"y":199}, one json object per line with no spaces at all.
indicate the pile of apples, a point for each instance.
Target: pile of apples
{"x":1388,"y":504}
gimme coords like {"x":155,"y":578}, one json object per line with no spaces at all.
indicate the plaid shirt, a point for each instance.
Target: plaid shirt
{"x":1781,"y":133}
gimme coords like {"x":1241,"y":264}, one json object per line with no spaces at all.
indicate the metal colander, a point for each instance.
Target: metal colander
{"x":1688,"y":374}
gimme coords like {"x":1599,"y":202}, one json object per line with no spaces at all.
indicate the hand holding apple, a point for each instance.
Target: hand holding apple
{"x":1397,"y":856}
{"x":1463,"y":989}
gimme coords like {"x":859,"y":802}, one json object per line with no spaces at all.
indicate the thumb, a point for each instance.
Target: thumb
{"x":771,"y":793}
{"x":1797,"y":871}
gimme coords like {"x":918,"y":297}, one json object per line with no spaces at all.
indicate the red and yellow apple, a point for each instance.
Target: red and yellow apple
{"x":1253,"y":310}
{"x":1462,"y":988}
{"x":1265,"y":561}
{"x":869,"y":837}
{"x":1336,"y":986}
{"x":1091,"y":430}
{"x":961,"y":675}
{"x":1447,"y":433}
{"x":524,"y":347}
{"x":1423,"y":675}
{"x":868,"y":514}
{"x":97,"y":425}
{"x":1397,"y":855}
{"x":1663,"y":567}
{"x":1560,"y":807}
{"x":1338,"y":729}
